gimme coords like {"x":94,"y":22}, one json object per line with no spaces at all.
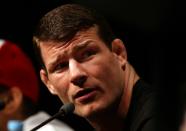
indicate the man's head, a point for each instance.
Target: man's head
{"x":18,"y":81}
{"x":64,"y":22}
{"x":84,"y":63}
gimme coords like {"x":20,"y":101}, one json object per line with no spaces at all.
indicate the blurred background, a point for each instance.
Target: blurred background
{"x":154,"y":32}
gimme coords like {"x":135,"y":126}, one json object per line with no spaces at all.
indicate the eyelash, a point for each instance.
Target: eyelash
{"x":61,"y":66}
{"x":88,"y":53}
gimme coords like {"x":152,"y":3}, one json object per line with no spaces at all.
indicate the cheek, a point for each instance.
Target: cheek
{"x":61,"y":85}
{"x":110,"y":75}
{"x":108,"y":71}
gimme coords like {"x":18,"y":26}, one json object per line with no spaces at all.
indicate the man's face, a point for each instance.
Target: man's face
{"x":83,"y":71}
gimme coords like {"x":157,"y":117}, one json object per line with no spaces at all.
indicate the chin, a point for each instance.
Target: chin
{"x":90,"y":110}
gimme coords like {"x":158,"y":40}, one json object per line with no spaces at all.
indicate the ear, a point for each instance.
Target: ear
{"x":118,"y":48}
{"x":46,"y":81}
{"x":14,"y":100}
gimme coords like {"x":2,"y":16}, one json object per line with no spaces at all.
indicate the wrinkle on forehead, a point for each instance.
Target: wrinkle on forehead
{"x":79,"y":35}
{"x":62,"y":49}
{"x":69,"y":51}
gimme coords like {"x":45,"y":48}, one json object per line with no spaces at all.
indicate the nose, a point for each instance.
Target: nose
{"x":78,"y":74}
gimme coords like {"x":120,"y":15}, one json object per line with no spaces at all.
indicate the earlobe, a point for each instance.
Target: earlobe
{"x":118,"y":48}
{"x":46,"y":81}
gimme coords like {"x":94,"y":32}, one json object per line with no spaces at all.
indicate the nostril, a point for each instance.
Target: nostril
{"x":79,"y":81}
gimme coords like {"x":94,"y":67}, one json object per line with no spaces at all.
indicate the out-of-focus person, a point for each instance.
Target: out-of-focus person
{"x":19,"y":92}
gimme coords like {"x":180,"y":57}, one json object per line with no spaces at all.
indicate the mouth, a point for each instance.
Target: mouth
{"x":85,"y":95}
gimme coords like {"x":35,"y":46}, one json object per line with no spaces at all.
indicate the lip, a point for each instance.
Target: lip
{"x":85,"y":95}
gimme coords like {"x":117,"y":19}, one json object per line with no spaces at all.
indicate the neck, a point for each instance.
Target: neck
{"x":109,"y":122}
{"x":114,"y":120}
{"x":3,"y":125}
{"x":130,"y":78}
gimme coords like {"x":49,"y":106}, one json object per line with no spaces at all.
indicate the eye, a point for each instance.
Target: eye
{"x":87,"y":54}
{"x":61,"y":66}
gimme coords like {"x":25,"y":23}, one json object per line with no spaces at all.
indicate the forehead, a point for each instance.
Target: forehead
{"x":91,"y":33}
{"x":80,"y":40}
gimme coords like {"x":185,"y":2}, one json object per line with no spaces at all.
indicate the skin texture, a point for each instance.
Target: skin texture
{"x":86,"y":72}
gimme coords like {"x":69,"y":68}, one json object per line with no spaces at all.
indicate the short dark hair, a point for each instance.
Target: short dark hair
{"x":62,"y":24}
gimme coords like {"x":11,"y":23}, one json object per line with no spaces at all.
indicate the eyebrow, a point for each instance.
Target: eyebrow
{"x":52,"y":63}
{"x":81,"y":46}
{"x":76,"y":48}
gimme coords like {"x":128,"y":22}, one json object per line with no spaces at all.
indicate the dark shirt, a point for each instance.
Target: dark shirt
{"x":143,"y":108}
